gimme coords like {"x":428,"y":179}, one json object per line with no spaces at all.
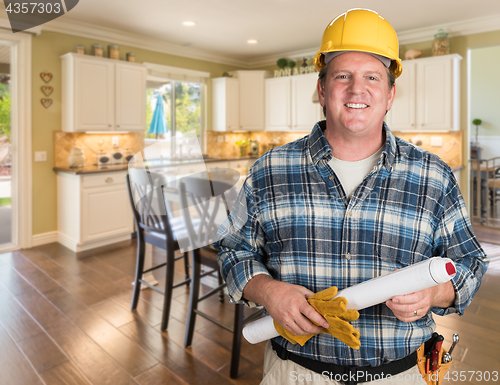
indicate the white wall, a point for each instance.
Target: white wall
{"x":485,"y":101}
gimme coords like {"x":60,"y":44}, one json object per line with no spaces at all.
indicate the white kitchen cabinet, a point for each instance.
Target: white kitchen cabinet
{"x":238,"y":102}
{"x":278,"y":104}
{"x":305,"y":113}
{"x":251,"y":100}
{"x":427,"y":95}
{"x":100,"y":94}
{"x":225,"y":100}
{"x":289,"y":104}
{"x":93,"y":210}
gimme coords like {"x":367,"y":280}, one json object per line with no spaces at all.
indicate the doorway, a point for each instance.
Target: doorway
{"x":15,"y":193}
{"x":484,"y":134}
{"x":5,"y":149}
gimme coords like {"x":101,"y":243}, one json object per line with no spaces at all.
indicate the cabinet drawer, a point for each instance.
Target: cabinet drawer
{"x":217,"y":165}
{"x":244,"y":163}
{"x":105,"y":179}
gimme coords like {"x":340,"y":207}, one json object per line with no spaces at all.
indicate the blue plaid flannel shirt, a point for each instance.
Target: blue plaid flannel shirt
{"x":300,"y":228}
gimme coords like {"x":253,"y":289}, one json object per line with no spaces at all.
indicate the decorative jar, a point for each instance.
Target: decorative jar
{"x":76,"y":157}
{"x":97,"y":50}
{"x":114,"y":52}
{"x":441,"y":44}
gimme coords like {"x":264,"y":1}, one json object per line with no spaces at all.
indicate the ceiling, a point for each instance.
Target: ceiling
{"x":280,"y":26}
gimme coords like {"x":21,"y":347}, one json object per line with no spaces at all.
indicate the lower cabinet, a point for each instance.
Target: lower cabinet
{"x":93,"y":210}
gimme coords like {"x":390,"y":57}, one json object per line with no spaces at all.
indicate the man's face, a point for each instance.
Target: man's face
{"x":356,"y":94}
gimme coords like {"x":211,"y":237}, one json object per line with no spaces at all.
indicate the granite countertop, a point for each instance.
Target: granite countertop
{"x":154,"y":164}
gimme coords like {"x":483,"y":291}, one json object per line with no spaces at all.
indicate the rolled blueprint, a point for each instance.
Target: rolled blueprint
{"x":420,"y":276}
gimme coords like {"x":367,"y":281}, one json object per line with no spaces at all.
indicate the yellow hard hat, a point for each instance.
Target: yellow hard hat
{"x":361,"y":30}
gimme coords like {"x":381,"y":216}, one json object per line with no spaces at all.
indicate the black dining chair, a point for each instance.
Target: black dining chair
{"x":203,"y":203}
{"x":155,"y":226}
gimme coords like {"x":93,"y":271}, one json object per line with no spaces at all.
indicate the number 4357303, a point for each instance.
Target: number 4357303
{"x":34,"y":8}
{"x":471,"y":375}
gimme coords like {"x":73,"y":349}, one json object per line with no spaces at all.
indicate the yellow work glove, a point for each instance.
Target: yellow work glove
{"x":335,"y":313}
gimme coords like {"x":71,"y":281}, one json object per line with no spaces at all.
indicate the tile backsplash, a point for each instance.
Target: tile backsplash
{"x":450,"y":150}
{"x":451,"y":144}
{"x":217,"y":147}
{"x":92,"y":144}
{"x":222,"y":144}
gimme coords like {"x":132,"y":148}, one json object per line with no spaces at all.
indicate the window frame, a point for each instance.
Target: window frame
{"x":172,"y":123}
{"x":161,"y":72}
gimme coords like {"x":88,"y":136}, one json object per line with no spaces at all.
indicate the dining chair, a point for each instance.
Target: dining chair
{"x":155,"y":226}
{"x":205,"y":200}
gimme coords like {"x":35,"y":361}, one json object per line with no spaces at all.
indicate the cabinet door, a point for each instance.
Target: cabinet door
{"x":434,"y":94}
{"x":225,"y":100}
{"x":94,"y":95}
{"x":232,"y":105}
{"x":251,"y":100}
{"x":130,"y":98}
{"x":402,"y":114}
{"x":106,"y":212}
{"x":305,"y":112}
{"x":278,"y":102}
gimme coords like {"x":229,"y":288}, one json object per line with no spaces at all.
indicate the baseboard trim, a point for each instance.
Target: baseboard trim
{"x":85,"y":250}
{"x":44,"y":238}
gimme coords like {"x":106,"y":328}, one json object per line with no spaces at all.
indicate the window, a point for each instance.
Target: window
{"x":182,"y":116}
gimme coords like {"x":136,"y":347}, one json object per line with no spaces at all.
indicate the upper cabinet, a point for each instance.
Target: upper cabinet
{"x":278,"y":104}
{"x":289,"y":103}
{"x":225,"y":99}
{"x":238,"y":102}
{"x":427,"y":95}
{"x":100,"y":94}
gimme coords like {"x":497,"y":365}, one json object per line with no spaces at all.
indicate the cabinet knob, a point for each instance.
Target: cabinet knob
{"x":109,"y":125}
{"x":118,"y":125}
{"x":109,"y":180}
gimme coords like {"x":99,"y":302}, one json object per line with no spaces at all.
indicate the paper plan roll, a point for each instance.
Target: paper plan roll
{"x":420,"y":276}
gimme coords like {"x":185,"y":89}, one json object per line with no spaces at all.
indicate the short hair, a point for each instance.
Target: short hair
{"x":391,"y":79}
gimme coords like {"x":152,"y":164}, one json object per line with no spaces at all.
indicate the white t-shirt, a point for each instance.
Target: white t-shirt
{"x":351,"y":174}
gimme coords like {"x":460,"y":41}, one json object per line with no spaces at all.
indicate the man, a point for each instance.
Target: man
{"x":347,"y":203}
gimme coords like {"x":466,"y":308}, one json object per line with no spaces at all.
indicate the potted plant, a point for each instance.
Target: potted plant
{"x":477,"y":123}
{"x":242,"y":144}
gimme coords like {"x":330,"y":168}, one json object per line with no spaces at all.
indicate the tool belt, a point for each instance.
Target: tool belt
{"x":348,"y":375}
{"x":432,"y":377}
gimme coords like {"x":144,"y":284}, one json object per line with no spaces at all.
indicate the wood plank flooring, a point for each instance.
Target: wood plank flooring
{"x":65,"y":320}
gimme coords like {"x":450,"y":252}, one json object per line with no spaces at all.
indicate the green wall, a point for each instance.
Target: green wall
{"x":46,"y":51}
{"x":485,"y":85}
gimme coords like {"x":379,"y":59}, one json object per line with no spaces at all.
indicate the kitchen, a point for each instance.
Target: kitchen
{"x":177,"y":62}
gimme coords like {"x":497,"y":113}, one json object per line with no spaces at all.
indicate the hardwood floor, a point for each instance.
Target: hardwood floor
{"x":487,"y":234}
{"x":65,"y":320}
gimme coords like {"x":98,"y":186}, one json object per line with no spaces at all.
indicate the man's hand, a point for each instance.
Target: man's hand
{"x":286,"y":304}
{"x":404,"y":306}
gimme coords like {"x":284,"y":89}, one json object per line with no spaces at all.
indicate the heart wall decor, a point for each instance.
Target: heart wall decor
{"x":46,"y":102}
{"x":47,"y":90}
{"x":46,"y":76}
